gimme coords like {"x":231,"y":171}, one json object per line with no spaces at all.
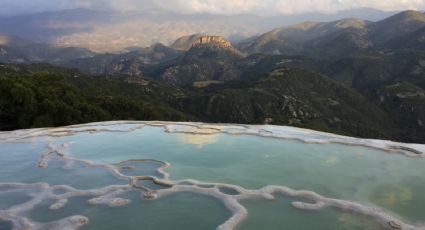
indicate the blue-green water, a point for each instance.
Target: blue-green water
{"x":279,"y":214}
{"x":390,"y":181}
{"x":179,"y":211}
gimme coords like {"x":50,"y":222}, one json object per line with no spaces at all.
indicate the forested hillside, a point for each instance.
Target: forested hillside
{"x":42,"y":95}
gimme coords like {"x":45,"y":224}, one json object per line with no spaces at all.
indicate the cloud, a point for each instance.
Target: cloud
{"x":122,"y":5}
{"x":15,"y":7}
{"x":263,"y":7}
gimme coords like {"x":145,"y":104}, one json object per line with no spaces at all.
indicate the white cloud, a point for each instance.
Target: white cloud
{"x":264,"y":7}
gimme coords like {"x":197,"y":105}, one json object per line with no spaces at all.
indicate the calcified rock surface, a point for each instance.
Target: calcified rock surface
{"x":111,"y":195}
{"x":280,"y":132}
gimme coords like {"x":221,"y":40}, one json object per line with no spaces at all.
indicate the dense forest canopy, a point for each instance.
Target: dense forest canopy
{"x":53,"y":98}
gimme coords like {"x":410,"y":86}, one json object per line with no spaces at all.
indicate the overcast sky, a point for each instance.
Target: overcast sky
{"x":261,"y":7}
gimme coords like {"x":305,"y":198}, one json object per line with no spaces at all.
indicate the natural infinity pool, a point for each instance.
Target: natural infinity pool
{"x":155,"y":175}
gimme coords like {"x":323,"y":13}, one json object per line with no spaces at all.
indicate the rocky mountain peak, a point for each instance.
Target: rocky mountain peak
{"x":213,"y":40}
{"x":187,"y":42}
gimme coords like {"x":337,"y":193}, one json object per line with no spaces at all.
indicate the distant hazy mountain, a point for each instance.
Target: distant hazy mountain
{"x":201,"y":57}
{"x":114,"y":31}
{"x":17,"y":50}
{"x":296,"y":38}
{"x":342,"y":37}
{"x":397,"y":25}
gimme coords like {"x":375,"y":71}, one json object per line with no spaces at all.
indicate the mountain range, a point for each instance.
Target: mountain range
{"x":350,"y":76}
{"x":108,"y":31}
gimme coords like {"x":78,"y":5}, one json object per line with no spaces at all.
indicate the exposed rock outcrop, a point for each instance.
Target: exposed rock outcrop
{"x":213,"y":40}
{"x":187,"y":42}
